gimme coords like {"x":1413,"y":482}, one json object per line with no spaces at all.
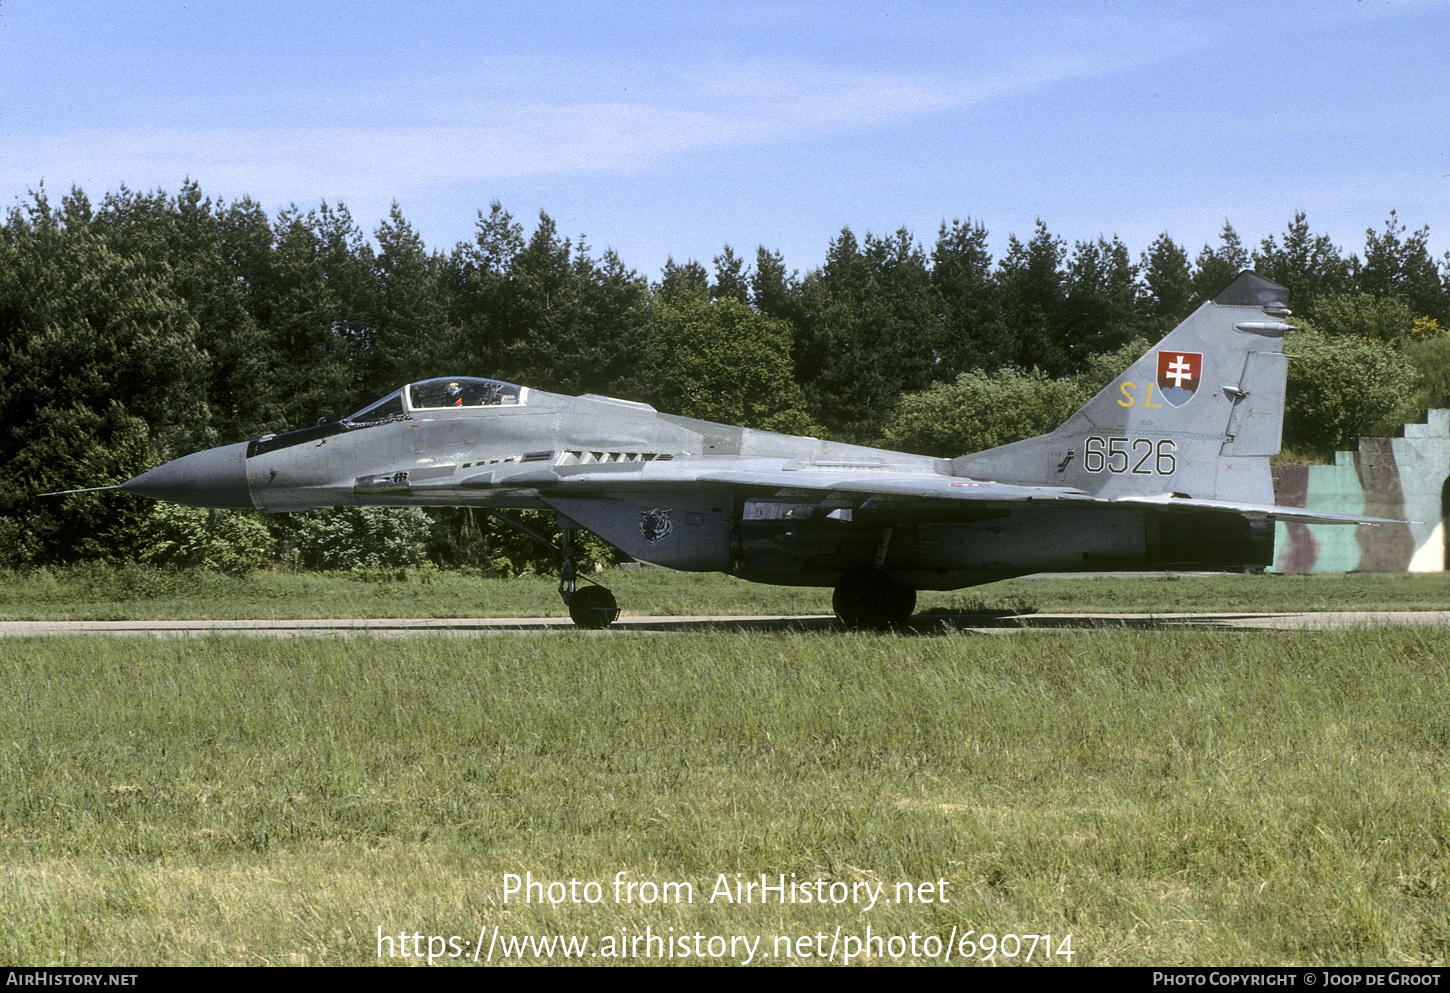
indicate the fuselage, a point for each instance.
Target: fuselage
{"x":616,"y":468}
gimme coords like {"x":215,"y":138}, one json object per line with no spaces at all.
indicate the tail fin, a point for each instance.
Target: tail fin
{"x":1197,"y":416}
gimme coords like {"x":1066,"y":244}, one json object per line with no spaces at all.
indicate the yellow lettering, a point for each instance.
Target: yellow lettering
{"x":1129,"y":395}
{"x":1149,"y":402}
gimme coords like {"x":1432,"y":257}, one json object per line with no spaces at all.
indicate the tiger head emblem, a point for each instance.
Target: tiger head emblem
{"x":654,"y":525}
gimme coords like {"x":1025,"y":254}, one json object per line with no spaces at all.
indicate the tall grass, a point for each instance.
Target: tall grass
{"x":1164,"y":797}
{"x":138,"y":592}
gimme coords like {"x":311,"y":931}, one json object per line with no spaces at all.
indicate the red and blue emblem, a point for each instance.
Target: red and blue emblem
{"x":1179,"y":374}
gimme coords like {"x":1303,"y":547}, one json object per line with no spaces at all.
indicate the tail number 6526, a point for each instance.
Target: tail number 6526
{"x":1140,"y":456}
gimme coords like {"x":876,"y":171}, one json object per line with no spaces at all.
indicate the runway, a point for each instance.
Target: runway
{"x":920,"y":625}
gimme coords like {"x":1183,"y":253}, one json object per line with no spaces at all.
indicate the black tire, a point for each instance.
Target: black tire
{"x":871,"y":599}
{"x":593,"y":607}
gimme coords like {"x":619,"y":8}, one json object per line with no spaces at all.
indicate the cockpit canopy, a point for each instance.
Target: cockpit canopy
{"x":438,"y":394}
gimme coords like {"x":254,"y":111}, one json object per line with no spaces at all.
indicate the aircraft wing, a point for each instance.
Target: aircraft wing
{"x":865,"y":481}
{"x":867,"y":485}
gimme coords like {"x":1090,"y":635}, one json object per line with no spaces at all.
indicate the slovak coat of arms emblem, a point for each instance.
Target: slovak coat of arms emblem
{"x":1178,"y":375}
{"x":654,"y":525}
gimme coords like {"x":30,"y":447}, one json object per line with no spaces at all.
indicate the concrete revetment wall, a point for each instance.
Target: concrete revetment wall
{"x":1404,"y":478}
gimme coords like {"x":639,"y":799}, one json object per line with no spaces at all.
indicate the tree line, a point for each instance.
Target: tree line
{"x":152,"y":325}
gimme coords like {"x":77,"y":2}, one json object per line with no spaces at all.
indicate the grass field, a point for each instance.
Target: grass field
{"x":99,"y":592}
{"x":1159,"y":797}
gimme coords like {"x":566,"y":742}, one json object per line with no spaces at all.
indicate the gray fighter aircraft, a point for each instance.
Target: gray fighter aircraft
{"x":1168,"y":466}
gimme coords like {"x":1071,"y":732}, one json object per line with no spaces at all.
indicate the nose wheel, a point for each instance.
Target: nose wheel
{"x":591,"y":606}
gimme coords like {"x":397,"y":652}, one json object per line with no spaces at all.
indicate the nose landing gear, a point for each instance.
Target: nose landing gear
{"x":591,"y":606}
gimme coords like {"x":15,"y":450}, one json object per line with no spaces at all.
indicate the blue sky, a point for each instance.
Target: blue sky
{"x":672,"y":129}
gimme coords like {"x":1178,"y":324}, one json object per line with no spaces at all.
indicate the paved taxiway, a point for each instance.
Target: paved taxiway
{"x":920,"y":624}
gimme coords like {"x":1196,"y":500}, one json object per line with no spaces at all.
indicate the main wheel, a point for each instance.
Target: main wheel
{"x":869,"y":598}
{"x":593,"y":607}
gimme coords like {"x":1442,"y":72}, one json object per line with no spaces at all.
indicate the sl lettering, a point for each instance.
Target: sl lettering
{"x":1129,"y":399}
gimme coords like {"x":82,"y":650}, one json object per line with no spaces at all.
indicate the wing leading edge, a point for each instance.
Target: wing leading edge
{"x":899,"y":488}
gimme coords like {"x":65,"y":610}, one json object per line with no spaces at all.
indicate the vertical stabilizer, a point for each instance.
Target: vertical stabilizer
{"x":1198,"y":415}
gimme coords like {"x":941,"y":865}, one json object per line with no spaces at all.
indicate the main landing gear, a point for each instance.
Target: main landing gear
{"x":590,"y":606}
{"x":871,"y":599}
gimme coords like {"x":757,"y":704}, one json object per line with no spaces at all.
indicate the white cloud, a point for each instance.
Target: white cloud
{"x":424,"y":135}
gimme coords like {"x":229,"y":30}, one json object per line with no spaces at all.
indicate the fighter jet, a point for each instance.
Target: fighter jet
{"x":1167,"y":467}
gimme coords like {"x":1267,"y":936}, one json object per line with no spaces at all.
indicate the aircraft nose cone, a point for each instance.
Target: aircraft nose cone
{"x":216,"y":478}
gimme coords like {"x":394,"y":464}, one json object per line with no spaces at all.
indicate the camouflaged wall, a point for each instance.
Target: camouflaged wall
{"x":1405,"y":478}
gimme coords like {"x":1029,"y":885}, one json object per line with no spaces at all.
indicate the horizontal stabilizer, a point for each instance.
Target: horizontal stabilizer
{"x":1257,"y":512}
